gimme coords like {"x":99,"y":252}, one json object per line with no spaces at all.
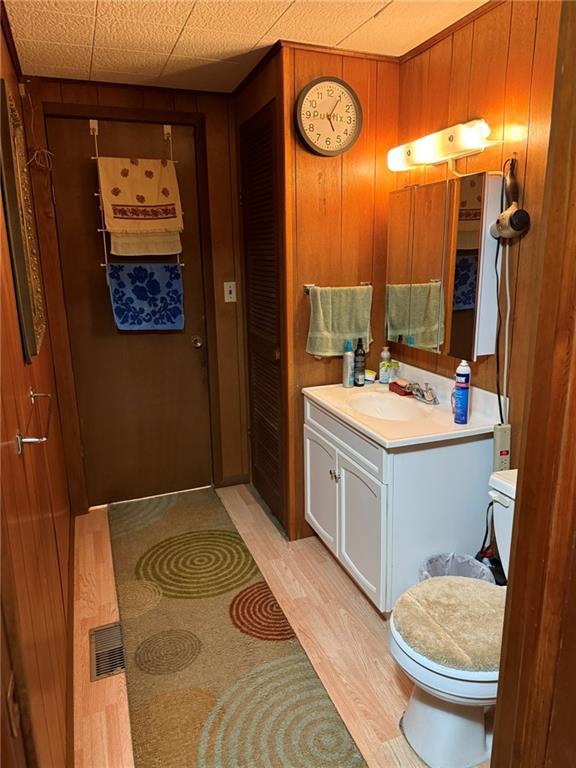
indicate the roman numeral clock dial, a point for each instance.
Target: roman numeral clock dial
{"x":328,"y":116}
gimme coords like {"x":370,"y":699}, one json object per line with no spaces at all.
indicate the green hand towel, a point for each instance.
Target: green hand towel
{"x":338,"y":314}
{"x":398,"y":311}
{"x":427,"y":315}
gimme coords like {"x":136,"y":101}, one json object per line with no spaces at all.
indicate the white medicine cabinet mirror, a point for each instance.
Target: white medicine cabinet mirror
{"x":442,"y":272}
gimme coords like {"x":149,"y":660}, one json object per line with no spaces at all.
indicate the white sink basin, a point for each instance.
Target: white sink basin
{"x":388,"y":406}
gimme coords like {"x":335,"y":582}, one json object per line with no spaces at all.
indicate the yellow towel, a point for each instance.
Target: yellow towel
{"x":139,"y":195}
{"x":338,"y":314}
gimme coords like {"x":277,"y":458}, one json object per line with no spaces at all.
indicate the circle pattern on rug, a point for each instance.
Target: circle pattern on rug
{"x":255,"y":612}
{"x":198,"y":564}
{"x":170,"y":651}
{"x":280,"y":715}
{"x":137,"y":597}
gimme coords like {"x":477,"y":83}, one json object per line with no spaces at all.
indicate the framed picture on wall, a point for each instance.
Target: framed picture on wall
{"x":21,"y":227}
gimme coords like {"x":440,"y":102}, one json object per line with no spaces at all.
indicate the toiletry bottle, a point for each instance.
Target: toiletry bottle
{"x":461,"y":393}
{"x":359,"y":364}
{"x":384,"y":370}
{"x":394,"y":370}
{"x":348,"y":365}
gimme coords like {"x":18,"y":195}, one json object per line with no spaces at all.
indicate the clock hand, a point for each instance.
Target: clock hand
{"x":331,"y":113}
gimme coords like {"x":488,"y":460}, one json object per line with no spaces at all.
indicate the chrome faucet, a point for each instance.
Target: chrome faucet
{"x":424,"y":394}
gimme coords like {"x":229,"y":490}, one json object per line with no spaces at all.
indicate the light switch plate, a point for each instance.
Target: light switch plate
{"x":230,"y":292}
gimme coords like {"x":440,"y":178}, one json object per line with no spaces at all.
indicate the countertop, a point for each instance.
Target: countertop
{"x":432,"y":423}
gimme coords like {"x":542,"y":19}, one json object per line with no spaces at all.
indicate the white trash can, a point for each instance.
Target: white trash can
{"x":454,"y":564}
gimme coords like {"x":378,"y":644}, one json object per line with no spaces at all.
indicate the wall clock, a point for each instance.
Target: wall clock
{"x":328,"y":116}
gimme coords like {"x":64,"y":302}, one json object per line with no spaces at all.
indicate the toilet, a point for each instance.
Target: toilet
{"x":446,"y":634}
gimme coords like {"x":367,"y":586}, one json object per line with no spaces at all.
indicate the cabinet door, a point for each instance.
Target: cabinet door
{"x":321,"y":492}
{"x":362,"y":510}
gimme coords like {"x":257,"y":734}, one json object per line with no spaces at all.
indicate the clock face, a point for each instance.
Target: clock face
{"x":329,"y":116}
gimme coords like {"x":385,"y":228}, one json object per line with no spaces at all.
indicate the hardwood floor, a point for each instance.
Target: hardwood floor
{"x":344,"y":637}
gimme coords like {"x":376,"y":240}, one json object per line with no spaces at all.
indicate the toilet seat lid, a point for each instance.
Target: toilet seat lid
{"x":453,"y":621}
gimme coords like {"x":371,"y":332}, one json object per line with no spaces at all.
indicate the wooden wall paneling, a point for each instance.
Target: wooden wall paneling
{"x":358,"y":176}
{"x":240,"y":292}
{"x":411,"y":114}
{"x":384,"y":181}
{"x":79,"y":93}
{"x":541,"y":606}
{"x":297,"y":527}
{"x":437,"y":99}
{"x":318,"y":216}
{"x":488,"y":82}
{"x":530,"y":254}
{"x":37,"y":90}
{"x":459,"y":84}
{"x":230,"y":354}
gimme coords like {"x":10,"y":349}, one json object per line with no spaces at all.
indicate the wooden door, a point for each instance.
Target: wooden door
{"x":263,"y":304}
{"x":320,"y":487}
{"x":142,"y":397}
{"x":34,"y":541}
{"x":361,"y":526}
{"x":13,"y":748}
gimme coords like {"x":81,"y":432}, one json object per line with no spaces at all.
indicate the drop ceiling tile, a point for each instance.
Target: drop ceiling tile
{"x":206,"y":44}
{"x":134,"y":62}
{"x":322,"y":23}
{"x":168,"y":12}
{"x":404,"y":24}
{"x":51,"y":27}
{"x":34,"y":54}
{"x":250,"y":18}
{"x":79,"y":7}
{"x":126,"y":34}
{"x":201,"y":74}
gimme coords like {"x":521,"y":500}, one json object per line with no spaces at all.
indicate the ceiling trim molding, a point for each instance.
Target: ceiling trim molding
{"x":290,"y":44}
{"x":8,"y":37}
{"x":463,"y":22}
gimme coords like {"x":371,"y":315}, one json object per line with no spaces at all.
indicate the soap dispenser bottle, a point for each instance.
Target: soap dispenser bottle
{"x":348,"y":365}
{"x":359,"y":365}
{"x":384,"y":370}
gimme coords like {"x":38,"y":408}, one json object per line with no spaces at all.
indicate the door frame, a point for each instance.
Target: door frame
{"x":535,"y":698}
{"x":54,"y":289}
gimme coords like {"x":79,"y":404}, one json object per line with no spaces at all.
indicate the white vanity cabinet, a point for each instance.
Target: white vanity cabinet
{"x":382,"y":511}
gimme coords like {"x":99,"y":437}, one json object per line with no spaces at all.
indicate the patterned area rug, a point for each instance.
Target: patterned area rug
{"x":215,"y":675}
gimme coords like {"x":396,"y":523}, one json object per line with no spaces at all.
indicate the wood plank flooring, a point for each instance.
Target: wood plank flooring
{"x":345,"y":638}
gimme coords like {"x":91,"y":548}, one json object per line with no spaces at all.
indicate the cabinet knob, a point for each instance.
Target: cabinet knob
{"x":332,"y":473}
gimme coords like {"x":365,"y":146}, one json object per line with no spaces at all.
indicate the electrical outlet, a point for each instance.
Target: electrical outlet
{"x":502,"y":435}
{"x":230,"y":292}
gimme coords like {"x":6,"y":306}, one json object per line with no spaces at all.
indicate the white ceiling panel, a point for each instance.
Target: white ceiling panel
{"x":208,"y":44}
{"x":320,"y":22}
{"x":242,"y":16}
{"x":136,"y":62}
{"x":125,"y":34}
{"x":404,"y":24}
{"x":169,"y":12}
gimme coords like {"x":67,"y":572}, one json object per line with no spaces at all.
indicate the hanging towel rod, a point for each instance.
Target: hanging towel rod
{"x":307,"y":287}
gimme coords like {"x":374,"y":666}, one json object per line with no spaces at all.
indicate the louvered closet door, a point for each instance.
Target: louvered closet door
{"x":262,"y":271}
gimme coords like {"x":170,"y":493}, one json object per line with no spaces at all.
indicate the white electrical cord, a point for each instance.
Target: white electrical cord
{"x":506,"y":330}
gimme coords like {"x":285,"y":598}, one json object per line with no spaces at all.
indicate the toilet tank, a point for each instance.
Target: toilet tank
{"x":502,"y":491}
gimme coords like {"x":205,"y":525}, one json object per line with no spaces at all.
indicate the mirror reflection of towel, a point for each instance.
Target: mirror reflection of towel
{"x":427,"y":315}
{"x":146,"y":297}
{"x":415,"y":312}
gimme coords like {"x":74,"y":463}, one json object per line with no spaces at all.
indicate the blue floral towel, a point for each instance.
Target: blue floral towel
{"x":146,"y":297}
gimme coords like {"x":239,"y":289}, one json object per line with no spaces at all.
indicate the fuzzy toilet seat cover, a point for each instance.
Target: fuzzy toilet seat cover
{"x":454,"y":621}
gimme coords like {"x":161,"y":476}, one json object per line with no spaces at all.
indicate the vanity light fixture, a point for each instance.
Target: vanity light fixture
{"x":443,"y":146}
